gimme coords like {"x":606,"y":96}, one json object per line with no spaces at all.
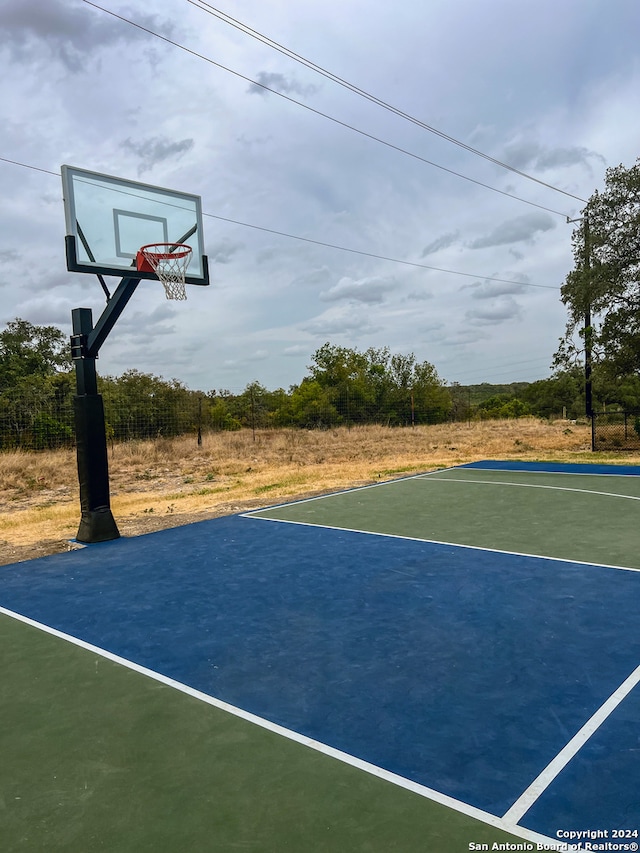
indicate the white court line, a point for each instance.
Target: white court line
{"x":253,"y":517}
{"x":249,"y":513}
{"x":531,"y":486}
{"x":542,"y":782}
{"x":423,"y":476}
{"x":318,"y":746}
{"x":550,"y":471}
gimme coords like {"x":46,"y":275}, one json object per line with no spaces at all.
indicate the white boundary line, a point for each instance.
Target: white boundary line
{"x":532,"y":486}
{"x":344,"y":492}
{"x":252,"y":516}
{"x":471,"y":467}
{"x":542,"y":782}
{"x":422,"y":476}
{"x":318,"y":746}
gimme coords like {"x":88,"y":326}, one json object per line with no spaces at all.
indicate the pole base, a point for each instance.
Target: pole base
{"x":97,"y":525}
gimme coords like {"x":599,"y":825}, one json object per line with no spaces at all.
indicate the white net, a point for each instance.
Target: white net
{"x":169,"y":261}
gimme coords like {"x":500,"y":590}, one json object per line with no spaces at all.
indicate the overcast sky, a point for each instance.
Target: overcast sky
{"x":551,"y":88}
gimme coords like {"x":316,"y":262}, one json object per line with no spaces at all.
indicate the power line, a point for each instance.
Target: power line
{"x":506,"y":368}
{"x":380,"y":257}
{"x":325,"y":244}
{"x":245,"y":28}
{"x":323,"y":114}
{"x":27,"y":166}
{"x":504,"y":379}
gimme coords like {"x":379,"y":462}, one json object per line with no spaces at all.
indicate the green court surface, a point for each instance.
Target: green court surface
{"x":578,"y":517}
{"x":97,"y":757}
{"x":364,"y":672}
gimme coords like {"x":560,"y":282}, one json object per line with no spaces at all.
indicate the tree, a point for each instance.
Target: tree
{"x":562,"y":394}
{"x":309,"y":405}
{"x":28,"y":350}
{"x":377,"y":387}
{"x":35,"y":399}
{"x":255,"y":407}
{"x":503,"y":406}
{"x":605,"y":283}
{"x":141,"y":405}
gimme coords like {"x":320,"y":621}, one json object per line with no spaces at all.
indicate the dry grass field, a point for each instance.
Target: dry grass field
{"x":169,"y":482}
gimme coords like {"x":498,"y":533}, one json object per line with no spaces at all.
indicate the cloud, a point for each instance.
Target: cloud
{"x":463,"y":337}
{"x":440,"y":243}
{"x":499,"y":310}
{"x":368,"y":290}
{"x":46,"y":310}
{"x":491,"y":289}
{"x":296,"y":350}
{"x":419,"y":295}
{"x":7,"y":255}
{"x":223,"y":252}
{"x":343,"y":320}
{"x":311,"y":278}
{"x":70,"y":30}
{"x":516,"y":230}
{"x":149,"y":326}
{"x":156,"y":150}
{"x":528,"y":154}
{"x":273,"y":80}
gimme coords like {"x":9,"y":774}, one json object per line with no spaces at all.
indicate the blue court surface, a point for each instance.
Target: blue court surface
{"x":507,"y":682}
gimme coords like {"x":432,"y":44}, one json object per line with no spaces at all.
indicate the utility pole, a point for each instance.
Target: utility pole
{"x":588,"y":336}
{"x":588,"y":332}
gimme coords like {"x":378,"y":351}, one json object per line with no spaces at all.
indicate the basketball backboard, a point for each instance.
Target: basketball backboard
{"x":108,"y":219}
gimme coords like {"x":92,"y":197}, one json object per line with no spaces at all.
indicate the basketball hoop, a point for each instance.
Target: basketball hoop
{"x":169,"y":261}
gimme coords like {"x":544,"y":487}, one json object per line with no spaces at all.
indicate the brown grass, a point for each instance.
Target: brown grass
{"x":168,"y":482}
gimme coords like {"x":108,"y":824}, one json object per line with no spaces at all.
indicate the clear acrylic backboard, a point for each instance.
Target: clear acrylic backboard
{"x":108,"y":219}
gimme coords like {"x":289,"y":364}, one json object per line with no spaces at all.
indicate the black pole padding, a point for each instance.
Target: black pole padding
{"x":97,"y":523}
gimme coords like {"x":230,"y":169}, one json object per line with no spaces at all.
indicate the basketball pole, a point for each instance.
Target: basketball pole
{"x":97,"y":523}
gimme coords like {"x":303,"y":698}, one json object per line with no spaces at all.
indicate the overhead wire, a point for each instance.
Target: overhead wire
{"x":527,"y":364}
{"x":261,"y":37}
{"x":222,"y":16}
{"x":329,"y":245}
{"x":382,"y":257}
{"x":322,"y":114}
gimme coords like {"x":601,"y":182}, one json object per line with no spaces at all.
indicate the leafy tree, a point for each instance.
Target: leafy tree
{"x":27,"y":350}
{"x":34,"y":386}
{"x":431,"y":397}
{"x":376,"y":386}
{"x":562,"y":394}
{"x":334,"y":365}
{"x":343,"y":372}
{"x":503,"y":406}
{"x":308,"y":405}
{"x":256,"y":407}
{"x":141,"y":405}
{"x":605,"y":283}
{"x":219,"y":416}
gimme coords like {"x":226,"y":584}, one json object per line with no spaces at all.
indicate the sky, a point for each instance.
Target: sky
{"x":327,"y":217}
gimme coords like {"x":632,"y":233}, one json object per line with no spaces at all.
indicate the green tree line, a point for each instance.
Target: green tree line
{"x":343,"y":386}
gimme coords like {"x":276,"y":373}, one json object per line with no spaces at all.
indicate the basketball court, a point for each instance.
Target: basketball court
{"x":428,"y":664}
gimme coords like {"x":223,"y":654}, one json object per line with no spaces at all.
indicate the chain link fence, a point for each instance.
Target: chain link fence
{"x":616,"y":431}
{"x":50,"y":425}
